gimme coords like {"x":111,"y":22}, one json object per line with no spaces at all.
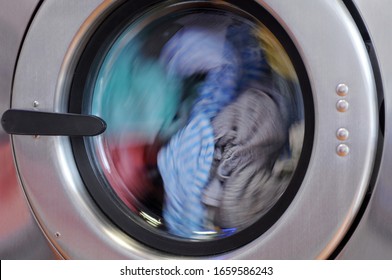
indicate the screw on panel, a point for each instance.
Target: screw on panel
{"x":342,"y":150}
{"x":57,"y":234}
{"x":342,"y":134}
{"x":342,"y":105}
{"x":35,"y":104}
{"x":342,"y":89}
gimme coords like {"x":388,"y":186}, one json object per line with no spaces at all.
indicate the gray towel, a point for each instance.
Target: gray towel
{"x":250,"y":134}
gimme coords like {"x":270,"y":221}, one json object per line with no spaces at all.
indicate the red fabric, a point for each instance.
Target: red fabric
{"x":131,"y":166}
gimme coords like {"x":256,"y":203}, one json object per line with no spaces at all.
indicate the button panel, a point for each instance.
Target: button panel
{"x":342,"y":134}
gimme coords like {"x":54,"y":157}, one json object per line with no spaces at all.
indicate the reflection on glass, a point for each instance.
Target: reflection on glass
{"x":205,"y":122}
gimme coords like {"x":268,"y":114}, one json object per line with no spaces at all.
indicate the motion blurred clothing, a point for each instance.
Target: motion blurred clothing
{"x":230,"y":57}
{"x":132,"y":172}
{"x":215,"y":97}
{"x":185,"y":162}
{"x":143,"y":98}
{"x":184,"y":165}
{"x":203,"y":47}
{"x":249,"y":136}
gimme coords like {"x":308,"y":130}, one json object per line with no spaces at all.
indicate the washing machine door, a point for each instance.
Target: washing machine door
{"x":20,"y":237}
{"x":209,"y":129}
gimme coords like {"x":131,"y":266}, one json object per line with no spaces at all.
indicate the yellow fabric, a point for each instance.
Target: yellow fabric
{"x":275,"y":54}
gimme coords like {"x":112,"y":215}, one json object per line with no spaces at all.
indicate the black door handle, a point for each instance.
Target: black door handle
{"x":24,"y":122}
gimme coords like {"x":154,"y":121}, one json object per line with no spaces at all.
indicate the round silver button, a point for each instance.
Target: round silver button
{"x":342,"y":134}
{"x":342,"y":105}
{"x":342,"y":89}
{"x":342,"y":150}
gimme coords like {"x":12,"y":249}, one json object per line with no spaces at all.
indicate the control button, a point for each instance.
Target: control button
{"x":342,"y":105}
{"x":342,"y":134}
{"x":342,"y":150}
{"x":342,"y":89}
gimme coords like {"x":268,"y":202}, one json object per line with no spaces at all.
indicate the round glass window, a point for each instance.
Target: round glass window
{"x":205,"y":121}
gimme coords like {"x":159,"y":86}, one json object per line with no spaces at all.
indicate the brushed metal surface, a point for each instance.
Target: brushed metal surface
{"x":333,"y":52}
{"x":20,"y":237}
{"x":373,"y":236}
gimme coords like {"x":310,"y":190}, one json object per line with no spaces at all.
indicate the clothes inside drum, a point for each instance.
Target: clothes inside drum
{"x":205,"y":122}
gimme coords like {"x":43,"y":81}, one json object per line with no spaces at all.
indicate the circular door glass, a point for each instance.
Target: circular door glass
{"x":205,"y":121}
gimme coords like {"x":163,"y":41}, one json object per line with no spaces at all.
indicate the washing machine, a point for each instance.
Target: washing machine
{"x":113,"y":145}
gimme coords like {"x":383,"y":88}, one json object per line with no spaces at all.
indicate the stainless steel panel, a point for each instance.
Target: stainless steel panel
{"x":373,"y":237}
{"x":332,"y":191}
{"x":20,"y":236}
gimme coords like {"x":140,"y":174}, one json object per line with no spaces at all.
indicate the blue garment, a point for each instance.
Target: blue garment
{"x":185,"y":168}
{"x":254,"y":66}
{"x":185,"y":164}
{"x":202,"y":49}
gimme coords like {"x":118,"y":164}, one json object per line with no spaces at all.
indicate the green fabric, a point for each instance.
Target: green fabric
{"x":133,"y":94}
